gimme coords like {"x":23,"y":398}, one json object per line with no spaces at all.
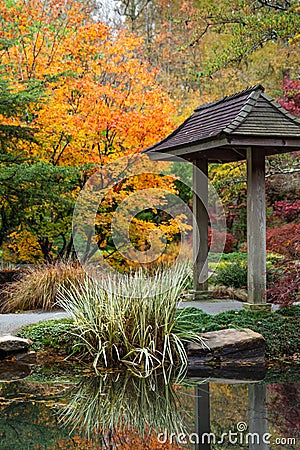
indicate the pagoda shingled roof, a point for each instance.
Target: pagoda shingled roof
{"x":230,"y":125}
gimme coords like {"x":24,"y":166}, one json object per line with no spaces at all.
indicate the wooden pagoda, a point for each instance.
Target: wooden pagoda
{"x":249,"y":126}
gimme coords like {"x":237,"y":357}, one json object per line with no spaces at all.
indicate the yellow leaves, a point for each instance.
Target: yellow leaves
{"x":175,"y":226}
{"x":296,"y":38}
{"x":22,"y":246}
{"x":229,"y":180}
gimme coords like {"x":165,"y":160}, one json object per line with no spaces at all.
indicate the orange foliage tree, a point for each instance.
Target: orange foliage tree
{"x":101,"y":98}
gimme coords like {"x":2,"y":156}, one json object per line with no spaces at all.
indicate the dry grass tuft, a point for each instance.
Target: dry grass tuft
{"x":37,"y":288}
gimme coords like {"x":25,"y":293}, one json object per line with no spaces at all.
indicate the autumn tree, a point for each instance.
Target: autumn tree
{"x":283,"y":170}
{"x":207,"y":49}
{"x":102,"y":100}
{"x":13,"y":107}
{"x":102,"y":96}
{"x":290,"y":100}
{"x":15,"y":133}
{"x":41,"y":229}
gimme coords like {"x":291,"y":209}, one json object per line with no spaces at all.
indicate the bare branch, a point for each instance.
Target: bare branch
{"x":282,"y":5}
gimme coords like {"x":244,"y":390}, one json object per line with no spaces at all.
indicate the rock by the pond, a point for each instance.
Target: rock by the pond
{"x":13,"y":371}
{"x":229,"y":347}
{"x":28,"y":357}
{"x":13,"y":344}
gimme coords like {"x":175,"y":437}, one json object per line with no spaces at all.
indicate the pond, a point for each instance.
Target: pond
{"x":54,"y":408}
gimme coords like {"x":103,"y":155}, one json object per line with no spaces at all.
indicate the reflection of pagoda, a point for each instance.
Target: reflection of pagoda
{"x":258,"y":422}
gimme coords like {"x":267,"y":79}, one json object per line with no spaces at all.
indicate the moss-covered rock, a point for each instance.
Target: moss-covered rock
{"x":280,"y":329}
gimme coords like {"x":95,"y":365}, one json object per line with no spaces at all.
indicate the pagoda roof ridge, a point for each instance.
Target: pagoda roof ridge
{"x":248,"y":90}
{"x":224,"y":129}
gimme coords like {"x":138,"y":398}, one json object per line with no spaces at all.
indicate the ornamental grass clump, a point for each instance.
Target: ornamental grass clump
{"x":37,"y":288}
{"x":130,"y":320}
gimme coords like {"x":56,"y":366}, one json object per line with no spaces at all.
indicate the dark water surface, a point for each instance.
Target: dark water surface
{"x":54,"y":410}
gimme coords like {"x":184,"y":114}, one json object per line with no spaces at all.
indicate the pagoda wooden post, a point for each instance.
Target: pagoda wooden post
{"x":256,"y":227}
{"x":200,"y":229}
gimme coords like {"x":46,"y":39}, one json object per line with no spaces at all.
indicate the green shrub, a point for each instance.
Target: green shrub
{"x":52,"y":333}
{"x":234,"y":256}
{"x":227,"y":257}
{"x":232,"y":271}
{"x":233,"y":274}
{"x":290,"y":311}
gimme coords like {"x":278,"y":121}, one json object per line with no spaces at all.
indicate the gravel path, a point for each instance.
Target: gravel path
{"x":11,"y":323}
{"x":214,"y":307}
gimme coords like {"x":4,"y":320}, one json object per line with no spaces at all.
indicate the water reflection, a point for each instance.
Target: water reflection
{"x":202,"y":416}
{"x":258,"y":419}
{"x":109,"y":406}
{"x":118,"y":410}
{"x":284,"y":407}
{"x":264,"y":422}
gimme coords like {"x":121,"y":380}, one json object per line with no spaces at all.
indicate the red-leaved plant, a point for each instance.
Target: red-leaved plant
{"x":287,"y":210}
{"x":291,"y":99}
{"x":284,"y":282}
{"x":284,"y":407}
{"x":285,"y":240}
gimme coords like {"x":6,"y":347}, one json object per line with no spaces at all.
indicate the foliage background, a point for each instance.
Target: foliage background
{"x":82,"y":84}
